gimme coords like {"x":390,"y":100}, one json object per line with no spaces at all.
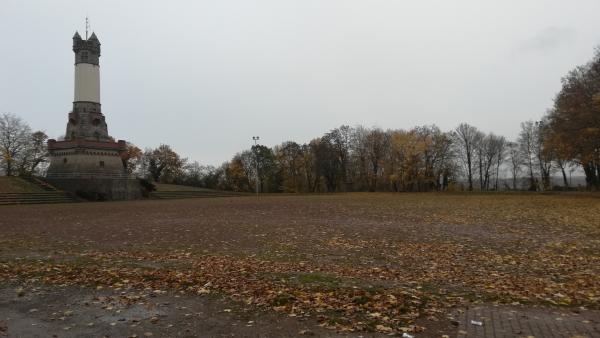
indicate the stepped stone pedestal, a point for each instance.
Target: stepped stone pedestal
{"x":91,"y":169}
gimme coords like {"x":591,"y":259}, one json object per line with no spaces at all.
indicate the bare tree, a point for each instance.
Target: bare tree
{"x":289,"y":157}
{"x":537,"y":160}
{"x":527,"y":148}
{"x":340,"y":139}
{"x":467,"y":140}
{"x":515,"y":158}
{"x":33,"y":154}
{"x":490,"y":158}
{"x":14,"y":135}
{"x":500,"y":145}
{"x":376,"y":144}
{"x":307,"y":163}
{"x":544,"y":158}
{"x":359,"y":157}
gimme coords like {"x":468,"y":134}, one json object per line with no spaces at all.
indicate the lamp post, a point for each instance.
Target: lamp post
{"x":256,"y":138}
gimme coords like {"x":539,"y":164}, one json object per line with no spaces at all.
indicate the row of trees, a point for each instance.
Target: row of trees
{"x":420,"y":159}
{"x":363,"y":159}
{"x":163,"y":164}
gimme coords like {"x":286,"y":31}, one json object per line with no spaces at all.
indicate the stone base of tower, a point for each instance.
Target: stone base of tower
{"x":92,"y":170}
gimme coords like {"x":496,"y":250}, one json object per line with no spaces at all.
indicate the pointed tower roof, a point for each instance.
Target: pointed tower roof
{"x":76,"y":36}
{"x":93,"y":37}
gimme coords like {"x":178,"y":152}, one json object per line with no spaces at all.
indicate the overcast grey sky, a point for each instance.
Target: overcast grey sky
{"x":205,"y":76}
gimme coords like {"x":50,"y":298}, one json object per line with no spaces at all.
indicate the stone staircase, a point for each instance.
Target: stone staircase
{"x":193,"y":194}
{"x":35,"y":197}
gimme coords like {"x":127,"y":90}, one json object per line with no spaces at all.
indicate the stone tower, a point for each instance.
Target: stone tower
{"x":86,"y":120}
{"x":88,"y":161}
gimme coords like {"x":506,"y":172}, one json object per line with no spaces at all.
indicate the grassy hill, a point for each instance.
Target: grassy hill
{"x":17,"y":185}
{"x":17,"y":190}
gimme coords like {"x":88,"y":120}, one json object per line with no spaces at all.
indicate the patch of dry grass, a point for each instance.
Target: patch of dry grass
{"x":17,"y":185}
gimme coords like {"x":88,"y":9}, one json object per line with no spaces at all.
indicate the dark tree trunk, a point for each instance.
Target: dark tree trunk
{"x":591,"y":175}
{"x":564,"y":175}
{"x":470,"y":172}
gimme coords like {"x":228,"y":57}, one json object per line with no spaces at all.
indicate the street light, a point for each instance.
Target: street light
{"x":256,"y":138}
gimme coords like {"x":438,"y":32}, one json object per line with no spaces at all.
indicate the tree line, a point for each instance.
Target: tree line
{"x":359,"y":158}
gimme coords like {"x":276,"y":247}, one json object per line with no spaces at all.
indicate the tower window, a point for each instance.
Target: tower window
{"x":101,"y":164}
{"x":65,"y":160}
{"x":84,"y":56}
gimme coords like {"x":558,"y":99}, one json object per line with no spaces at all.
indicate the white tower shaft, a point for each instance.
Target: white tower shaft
{"x":87,"y":83}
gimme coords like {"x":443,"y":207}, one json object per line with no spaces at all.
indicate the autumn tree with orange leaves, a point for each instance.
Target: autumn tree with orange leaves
{"x":574,"y":122}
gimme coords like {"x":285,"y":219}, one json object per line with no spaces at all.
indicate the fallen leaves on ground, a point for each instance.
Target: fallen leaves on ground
{"x":373,"y":264}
